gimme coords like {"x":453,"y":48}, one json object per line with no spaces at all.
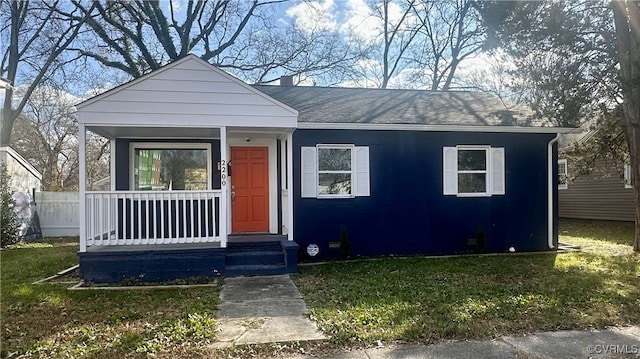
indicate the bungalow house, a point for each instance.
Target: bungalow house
{"x":212,"y":176}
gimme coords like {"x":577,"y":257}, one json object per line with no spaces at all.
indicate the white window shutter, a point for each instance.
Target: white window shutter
{"x":361,"y":180}
{"x":309,"y":187}
{"x":497,"y":171}
{"x":450,"y":170}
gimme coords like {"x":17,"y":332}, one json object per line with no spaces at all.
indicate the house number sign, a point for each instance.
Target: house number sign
{"x":223,"y":172}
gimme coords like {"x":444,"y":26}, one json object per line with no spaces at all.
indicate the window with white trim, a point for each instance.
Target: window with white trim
{"x":627,"y":176}
{"x":563,"y":173}
{"x":170,"y":166}
{"x":473,"y":171}
{"x":335,"y":171}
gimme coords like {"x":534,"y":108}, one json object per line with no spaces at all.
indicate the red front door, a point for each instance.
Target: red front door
{"x":250,"y":189}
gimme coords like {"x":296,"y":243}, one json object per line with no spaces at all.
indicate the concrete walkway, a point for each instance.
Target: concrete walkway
{"x":611,"y":343}
{"x":265,"y":309}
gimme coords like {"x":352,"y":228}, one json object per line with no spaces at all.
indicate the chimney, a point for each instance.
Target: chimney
{"x":286,"y":80}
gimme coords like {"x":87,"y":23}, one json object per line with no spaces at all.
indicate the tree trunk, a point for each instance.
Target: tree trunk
{"x":626,"y":15}
{"x":634,"y":147}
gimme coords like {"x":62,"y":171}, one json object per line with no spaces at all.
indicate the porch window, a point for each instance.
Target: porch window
{"x":335,"y":171}
{"x":473,"y":171}
{"x":162,"y":167}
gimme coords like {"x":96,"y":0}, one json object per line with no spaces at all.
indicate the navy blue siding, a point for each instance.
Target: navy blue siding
{"x":122,"y":160}
{"x":247,"y":258}
{"x":150,"y":265}
{"x":407,"y":212}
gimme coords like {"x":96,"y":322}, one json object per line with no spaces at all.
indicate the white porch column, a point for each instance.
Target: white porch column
{"x":224,"y":181}
{"x":82,"y":185}
{"x":112,"y":164}
{"x":290,"y":186}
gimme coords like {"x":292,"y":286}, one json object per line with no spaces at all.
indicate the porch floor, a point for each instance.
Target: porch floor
{"x":233,"y":238}
{"x":245,"y":254}
{"x":152,"y":247}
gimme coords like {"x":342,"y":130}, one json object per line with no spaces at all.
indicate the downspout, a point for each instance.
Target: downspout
{"x":550,"y":190}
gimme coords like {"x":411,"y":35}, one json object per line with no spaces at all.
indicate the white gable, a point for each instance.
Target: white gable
{"x":186,"y":93}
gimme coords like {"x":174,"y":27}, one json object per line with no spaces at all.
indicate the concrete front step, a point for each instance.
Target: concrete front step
{"x":252,"y":270}
{"x":260,"y":257}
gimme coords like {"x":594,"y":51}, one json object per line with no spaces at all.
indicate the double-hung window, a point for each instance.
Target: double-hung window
{"x":473,"y":171}
{"x":335,"y":171}
{"x":627,"y":176}
{"x":563,"y":173}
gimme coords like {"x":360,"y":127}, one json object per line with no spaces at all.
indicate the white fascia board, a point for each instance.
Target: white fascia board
{"x":180,"y":121}
{"x":440,"y":128}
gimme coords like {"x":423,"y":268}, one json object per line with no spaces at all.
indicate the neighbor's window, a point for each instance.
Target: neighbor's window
{"x":627,"y":176}
{"x":334,"y":171}
{"x":177,"y":168}
{"x":472,"y":171}
{"x":562,"y":174}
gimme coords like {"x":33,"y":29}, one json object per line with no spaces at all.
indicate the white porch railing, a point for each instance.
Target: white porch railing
{"x":151,"y":217}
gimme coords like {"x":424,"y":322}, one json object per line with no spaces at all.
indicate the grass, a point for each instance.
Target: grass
{"x":357,"y":303}
{"x":424,"y":300}
{"x":49,"y":321}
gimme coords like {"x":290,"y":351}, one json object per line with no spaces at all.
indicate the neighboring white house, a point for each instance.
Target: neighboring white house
{"x":24,"y":177}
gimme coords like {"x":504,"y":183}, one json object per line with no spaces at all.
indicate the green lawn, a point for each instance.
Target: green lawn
{"x":356,"y":303}
{"x":425,"y":299}
{"x":49,"y":321}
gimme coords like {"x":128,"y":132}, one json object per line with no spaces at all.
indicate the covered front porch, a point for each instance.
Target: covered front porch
{"x":155,"y":227}
{"x":196,"y":157}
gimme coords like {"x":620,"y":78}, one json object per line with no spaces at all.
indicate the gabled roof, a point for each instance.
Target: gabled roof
{"x":393,"y":107}
{"x":8,"y":151}
{"x":187,"y":93}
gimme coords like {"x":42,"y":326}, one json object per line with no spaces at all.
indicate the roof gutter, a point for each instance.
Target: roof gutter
{"x":442,"y":128}
{"x":550,"y":190}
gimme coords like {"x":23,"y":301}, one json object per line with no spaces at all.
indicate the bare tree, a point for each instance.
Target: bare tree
{"x":137,"y":37}
{"x":397,"y":37}
{"x":46,"y":135}
{"x":36,"y":37}
{"x":385,"y":35}
{"x":450,"y":32}
{"x":496,"y":76}
{"x":307,"y":53}
{"x":422,"y":41}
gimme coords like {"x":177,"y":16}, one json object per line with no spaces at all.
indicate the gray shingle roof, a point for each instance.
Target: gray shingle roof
{"x":392,"y":106}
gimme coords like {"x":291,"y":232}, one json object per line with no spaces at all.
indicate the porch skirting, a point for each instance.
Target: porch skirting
{"x":162,"y":263}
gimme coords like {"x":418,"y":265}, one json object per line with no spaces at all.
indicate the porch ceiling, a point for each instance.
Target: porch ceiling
{"x":112,"y":132}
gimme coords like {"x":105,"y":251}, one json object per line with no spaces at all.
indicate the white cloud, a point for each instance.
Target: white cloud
{"x":491,"y":68}
{"x":360,"y":22}
{"x":314,"y":15}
